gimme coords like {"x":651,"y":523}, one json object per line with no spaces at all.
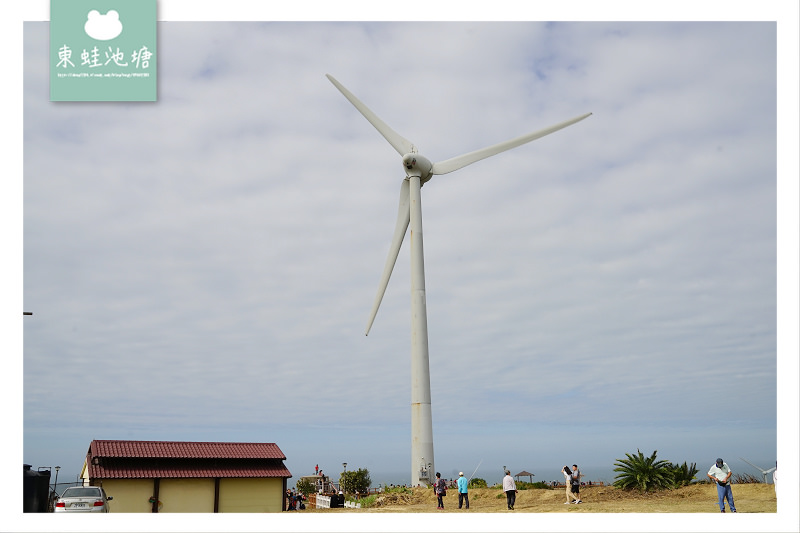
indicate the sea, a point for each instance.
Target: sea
{"x":495,"y":476}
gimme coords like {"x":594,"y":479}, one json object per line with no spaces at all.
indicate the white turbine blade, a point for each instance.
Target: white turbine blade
{"x":403,"y":218}
{"x":449,"y":165}
{"x":751,"y":464}
{"x":402,"y":145}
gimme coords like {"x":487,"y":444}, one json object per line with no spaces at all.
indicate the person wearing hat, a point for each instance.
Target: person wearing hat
{"x":510,"y":488}
{"x":462,"y":490}
{"x":720,"y":473}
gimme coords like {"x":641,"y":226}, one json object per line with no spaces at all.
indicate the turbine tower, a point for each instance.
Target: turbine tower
{"x":418,"y":171}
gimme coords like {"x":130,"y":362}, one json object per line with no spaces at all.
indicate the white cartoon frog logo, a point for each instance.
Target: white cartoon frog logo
{"x":103,"y":27}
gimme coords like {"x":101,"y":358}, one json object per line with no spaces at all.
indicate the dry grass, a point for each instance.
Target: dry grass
{"x":749,"y":498}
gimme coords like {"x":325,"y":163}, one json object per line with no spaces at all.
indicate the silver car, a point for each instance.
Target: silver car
{"x":83,"y":500}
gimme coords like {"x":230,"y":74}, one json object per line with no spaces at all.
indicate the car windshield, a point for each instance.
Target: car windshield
{"x":81,"y":492}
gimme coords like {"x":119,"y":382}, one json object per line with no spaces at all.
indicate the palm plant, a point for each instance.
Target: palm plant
{"x":684,"y":474}
{"x":643,"y":473}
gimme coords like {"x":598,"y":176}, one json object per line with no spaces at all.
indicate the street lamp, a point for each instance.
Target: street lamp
{"x":55,"y":485}
{"x":344,"y":477}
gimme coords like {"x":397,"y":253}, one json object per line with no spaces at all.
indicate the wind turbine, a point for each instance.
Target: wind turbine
{"x":418,"y":171}
{"x":763,"y":472}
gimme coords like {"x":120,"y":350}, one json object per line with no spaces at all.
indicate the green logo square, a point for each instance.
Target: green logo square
{"x":103,"y":50}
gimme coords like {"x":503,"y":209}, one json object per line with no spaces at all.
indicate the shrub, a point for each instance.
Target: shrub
{"x":643,"y":473}
{"x":477,"y":483}
{"x":305,"y":486}
{"x":356,"y":481}
{"x":745,"y":478}
{"x":525,"y":485}
{"x":367,"y":501}
{"x":683,"y":475}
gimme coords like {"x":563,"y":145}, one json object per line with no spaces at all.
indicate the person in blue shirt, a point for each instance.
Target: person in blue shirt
{"x":462,"y":490}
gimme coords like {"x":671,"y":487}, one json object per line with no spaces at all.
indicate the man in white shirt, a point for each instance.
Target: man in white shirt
{"x":720,"y":473}
{"x":510,"y":488}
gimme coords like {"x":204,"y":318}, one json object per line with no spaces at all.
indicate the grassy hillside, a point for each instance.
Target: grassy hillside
{"x":749,"y":498}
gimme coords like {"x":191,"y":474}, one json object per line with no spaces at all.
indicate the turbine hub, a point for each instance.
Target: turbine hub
{"x":417,"y":165}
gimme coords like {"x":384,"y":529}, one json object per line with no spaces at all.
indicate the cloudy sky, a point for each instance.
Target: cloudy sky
{"x":202,"y":268}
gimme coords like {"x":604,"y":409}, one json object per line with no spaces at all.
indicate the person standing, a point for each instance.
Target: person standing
{"x":568,"y":482}
{"x":576,"y":483}
{"x":440,"y":490}
{"x":775,"y":481}
{"x":720,"y":473}
{"x":510,"y":488}
{"x":462,"y":490}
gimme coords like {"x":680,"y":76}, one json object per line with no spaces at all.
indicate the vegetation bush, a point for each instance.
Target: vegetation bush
{"x":643,"y":473}
{"x":304,"y":486}
{"x":683,"y":475}
{"x":477,"y":483}
{"x":355,"y":481}
{"x":366,"y":502}
{"x":525,"y":485}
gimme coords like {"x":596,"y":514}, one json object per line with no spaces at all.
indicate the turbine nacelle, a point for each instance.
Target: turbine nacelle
{"x":417,"y":165}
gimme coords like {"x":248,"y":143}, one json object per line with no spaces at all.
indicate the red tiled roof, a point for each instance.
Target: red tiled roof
{"x":153,"y":459}
{"x":187,"y":450}
{"x":204,"y":468}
